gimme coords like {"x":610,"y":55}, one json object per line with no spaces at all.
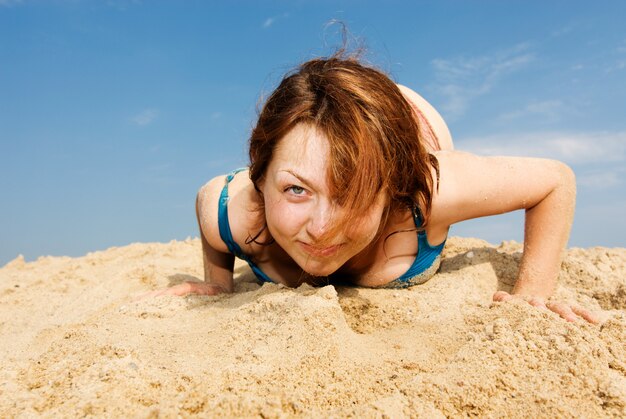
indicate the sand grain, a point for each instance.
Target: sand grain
{"x":75,"y":343}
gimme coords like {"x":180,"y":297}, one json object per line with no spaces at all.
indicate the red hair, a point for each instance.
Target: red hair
{"x":374,"y":136}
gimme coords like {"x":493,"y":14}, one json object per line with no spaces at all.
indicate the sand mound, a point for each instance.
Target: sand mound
{"x":75,"y":343}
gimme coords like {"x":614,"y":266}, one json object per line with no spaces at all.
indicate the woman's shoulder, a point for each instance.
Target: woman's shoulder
{"x":428,"y":111}
{"x":241,"y":209}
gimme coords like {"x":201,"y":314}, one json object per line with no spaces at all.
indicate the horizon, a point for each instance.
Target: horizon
{"x":113,"y":114}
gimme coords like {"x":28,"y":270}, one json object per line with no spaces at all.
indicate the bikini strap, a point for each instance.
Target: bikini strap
{"x":427,"y":255}
{"x":417,"y":216}
{"x":225,"y":233}
{"x":222,"y":217}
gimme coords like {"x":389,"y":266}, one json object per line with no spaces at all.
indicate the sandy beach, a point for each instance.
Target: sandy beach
{"x":76,"y":343}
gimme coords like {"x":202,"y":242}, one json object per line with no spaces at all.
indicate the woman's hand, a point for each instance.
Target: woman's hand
{"x":570,"y":312}
{"x":186,"y":288}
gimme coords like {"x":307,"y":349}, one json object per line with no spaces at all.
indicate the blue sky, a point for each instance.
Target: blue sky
{"x":113,"y":113}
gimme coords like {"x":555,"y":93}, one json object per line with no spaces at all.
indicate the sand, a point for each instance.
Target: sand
{"x":75,"y":343}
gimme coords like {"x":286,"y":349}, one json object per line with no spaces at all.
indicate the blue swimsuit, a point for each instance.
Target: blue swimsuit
{"x":423,"y":268}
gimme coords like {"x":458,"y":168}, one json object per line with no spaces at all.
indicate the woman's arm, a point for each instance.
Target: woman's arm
{"x":217,"y":261}
{"x":546,"y":232}
{"x":218,"y":265}
{"x":473,"y":186}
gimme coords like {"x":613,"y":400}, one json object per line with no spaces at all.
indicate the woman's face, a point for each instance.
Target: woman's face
{"x":299,"y":210}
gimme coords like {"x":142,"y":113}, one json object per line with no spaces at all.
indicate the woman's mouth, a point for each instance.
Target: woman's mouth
{"x":320,"y":251}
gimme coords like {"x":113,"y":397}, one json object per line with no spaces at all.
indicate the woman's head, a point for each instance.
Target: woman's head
{"x":357,"y":136}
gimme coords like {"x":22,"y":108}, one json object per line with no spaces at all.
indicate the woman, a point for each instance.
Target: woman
{"x":355,"y":178}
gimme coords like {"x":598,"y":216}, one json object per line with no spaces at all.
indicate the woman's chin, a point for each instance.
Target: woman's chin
{"x":319,"y":268}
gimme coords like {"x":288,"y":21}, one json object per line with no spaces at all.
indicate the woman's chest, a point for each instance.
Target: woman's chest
{"x":390,"y":255}
{"x":387,"y":260}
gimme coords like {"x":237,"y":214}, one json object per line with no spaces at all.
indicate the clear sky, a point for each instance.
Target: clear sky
{"x":114,"y":113}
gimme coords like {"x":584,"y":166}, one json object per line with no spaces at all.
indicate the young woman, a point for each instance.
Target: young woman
{"x":354,"y":178}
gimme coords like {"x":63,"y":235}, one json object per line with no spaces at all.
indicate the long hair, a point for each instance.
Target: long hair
{"x":374,"y":136}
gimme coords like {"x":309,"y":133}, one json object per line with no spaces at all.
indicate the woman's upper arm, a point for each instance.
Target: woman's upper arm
{"x":207,"y":202}
{"x":217,"y":260}
{"x":473,"y":186}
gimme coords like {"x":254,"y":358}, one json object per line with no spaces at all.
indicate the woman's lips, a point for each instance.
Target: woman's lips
{"x":320,"y":251}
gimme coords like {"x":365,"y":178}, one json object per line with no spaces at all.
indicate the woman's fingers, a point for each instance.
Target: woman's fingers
{"x":186,"y":288}
{"x":149,"y":294}
{"x":533,"y":301}
{"x":502,"y":296}
{"x":569,"y":312}
{"x":180,"y":289}
{"x":590,"y":316}
{"x":538,"y":302}
{"x":183,"y":289}
{"x":563,"y":310}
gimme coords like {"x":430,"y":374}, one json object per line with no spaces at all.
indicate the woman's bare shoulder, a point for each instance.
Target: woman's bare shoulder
{"x":240,"y":209}
{"x":432,"y":116}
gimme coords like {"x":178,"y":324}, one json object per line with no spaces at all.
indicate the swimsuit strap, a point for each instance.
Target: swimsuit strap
{"x":222,"y":217}
{"x":417,"y":216}
{"x":225,"y":232}
{"x":426,"y":254}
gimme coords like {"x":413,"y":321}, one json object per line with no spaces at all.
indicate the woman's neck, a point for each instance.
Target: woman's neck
{"x":376,"y":251}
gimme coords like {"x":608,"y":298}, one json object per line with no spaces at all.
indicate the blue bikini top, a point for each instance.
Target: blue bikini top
{"x":426,"y":254}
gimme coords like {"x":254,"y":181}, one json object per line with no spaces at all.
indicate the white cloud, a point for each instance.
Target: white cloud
{"x":601,"y":179}
{"x":572,"y":148}
{"x":620,"y":61}
{"x":564,"y":30}
{"x":271,"y":20}
{"x":9,"y":3}
{"x":461,"y":80}
{"x":619,"y":65}
{"x":548,"y":109}
{"x":145,"y":117}
{"x":598,"y":158}
{"x":606,"y":212}
{"x":268,"y":22}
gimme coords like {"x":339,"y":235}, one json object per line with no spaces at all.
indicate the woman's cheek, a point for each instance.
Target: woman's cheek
{"x":286,"y":216}
{"x":365,"y":228}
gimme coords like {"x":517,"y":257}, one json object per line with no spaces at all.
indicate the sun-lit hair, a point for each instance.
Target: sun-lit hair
{"x":375,"y":139}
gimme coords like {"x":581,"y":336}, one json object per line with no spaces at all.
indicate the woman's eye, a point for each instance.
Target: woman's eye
{"x":296,"y":190}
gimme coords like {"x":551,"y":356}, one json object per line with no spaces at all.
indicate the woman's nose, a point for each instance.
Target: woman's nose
{"x":319,"y":220}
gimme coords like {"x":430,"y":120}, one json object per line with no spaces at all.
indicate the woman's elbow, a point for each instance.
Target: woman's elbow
{"x":566,"y":180}
{"x":568,"y":177}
